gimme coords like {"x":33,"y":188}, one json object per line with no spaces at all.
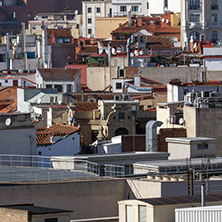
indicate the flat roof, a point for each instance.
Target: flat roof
{"x":206,"y":208}
{"x":101,"y":156}
{"x":181,"y":200}
{"x":14,"y":174}
{"x":189,"y":139}
{"x":178,"y":163}
{"x":36,"y":210}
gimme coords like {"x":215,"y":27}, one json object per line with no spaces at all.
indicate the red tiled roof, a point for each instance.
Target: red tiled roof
{"x":59,"y":74}
{"x":8,"y":99}
{"x":87,"y":50}
{"x":85,"y":106}
{"x":43,"y":135}
{"x":156,"y":28}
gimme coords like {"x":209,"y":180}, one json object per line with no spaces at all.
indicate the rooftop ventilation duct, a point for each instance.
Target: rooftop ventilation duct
{"x":151,"y":135}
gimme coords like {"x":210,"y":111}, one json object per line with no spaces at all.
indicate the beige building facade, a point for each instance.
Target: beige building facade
{"x":105,"y":25}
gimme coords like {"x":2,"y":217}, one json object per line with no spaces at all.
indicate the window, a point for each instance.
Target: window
{"x":33,"y":27}
{"x":121,"y":73}
{"x":129,"y":213}
{"x":120,"y":37}
{"x":214,"y":5}
{"x":194,"y":4}
{"x":89,"y":31}
{"x":214,"y":36}
{"x":2,"y":58}
{"x":135,"y":8}
{"x":44,"y":16}
{"x":69,"y":87}
{"x":214,"y":18}
{"x":70,"y":27}
{"x":123,"y":8}
{"x":59,"y":40}
{"x":66,"y":40}
{"x":195,"y":18}
{"x":98,"y":10}
{"x":58,"y":87}
{"x":89,"y":20}
{"x":6,"y":81}
{"x":60,"y":27}
{"x":77,"y":26}
{"x":166,"y":4}
{"x":70,"y":17}
{"x":142,"y":213}
{"x":89,"y":10}
{"x":118,"y":85}
{"x":48,"y":86}
{"x":121,"y":115}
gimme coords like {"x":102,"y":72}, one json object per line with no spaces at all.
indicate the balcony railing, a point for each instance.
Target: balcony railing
{"x":194,"y":7}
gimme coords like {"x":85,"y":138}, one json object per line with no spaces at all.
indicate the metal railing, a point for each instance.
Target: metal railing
{"x":25,"y":160}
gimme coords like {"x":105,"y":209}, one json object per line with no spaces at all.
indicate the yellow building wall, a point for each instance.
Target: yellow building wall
{"x":104,"y":26}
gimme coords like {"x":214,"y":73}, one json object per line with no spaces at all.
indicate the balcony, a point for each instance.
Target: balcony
{"x":194,"y":7}
{"x":214,"y":24}
{"x":194,"y":25}
{"x":214,"y":7}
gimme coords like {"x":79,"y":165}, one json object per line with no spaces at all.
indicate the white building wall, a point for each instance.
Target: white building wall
{"x":159,"y":7}
{"x":68,"y":146}
{"x":18,"y":141}
{"x":22,"y":106}
{"x":104,"y":6}
{"x":117,"y":4}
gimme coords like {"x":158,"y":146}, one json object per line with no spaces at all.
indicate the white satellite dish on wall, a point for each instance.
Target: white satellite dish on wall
{"x":8,"y":122}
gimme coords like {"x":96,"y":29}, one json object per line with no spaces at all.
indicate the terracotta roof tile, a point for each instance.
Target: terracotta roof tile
{"x":59,"y":74}
{"x":85,"y":106}
{"x":43,"y":135}
{"x":8,"y":100}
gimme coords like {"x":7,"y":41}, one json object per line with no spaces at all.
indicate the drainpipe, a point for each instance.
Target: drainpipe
{"x":128,"y":49}
{"x":7,"y":51}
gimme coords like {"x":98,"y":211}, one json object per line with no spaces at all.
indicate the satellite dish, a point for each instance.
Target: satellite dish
{"x":8,"y":122}
{"x":76,"y":12}
{"x":163,"y":19}
{"x":167,"y":21}
{"x":181,"y":121}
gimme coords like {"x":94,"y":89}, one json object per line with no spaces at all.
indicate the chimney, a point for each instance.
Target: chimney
{"x":140,"y":22}
{"x":128,"y":48}
{"x":129,"y":17}
{"x":137,"y":81}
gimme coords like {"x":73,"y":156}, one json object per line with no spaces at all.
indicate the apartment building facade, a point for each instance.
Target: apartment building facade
{"x":201,"y":20}
{"x":91,"y":10}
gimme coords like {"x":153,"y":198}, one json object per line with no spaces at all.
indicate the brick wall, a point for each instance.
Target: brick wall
{"x":171,"y":132}
{"x":133,"y":143}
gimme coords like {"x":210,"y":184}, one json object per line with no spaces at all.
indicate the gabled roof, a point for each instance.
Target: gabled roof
{"x":59,"y":74}
{"x":86,"y":50}
{"x":43,"y":135}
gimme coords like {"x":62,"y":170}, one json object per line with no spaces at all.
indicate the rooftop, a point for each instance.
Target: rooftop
{"x":59,"y":74}
{"x":181,"y":200}
{"x":43,"y":135}
{"x":35,"y":210}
